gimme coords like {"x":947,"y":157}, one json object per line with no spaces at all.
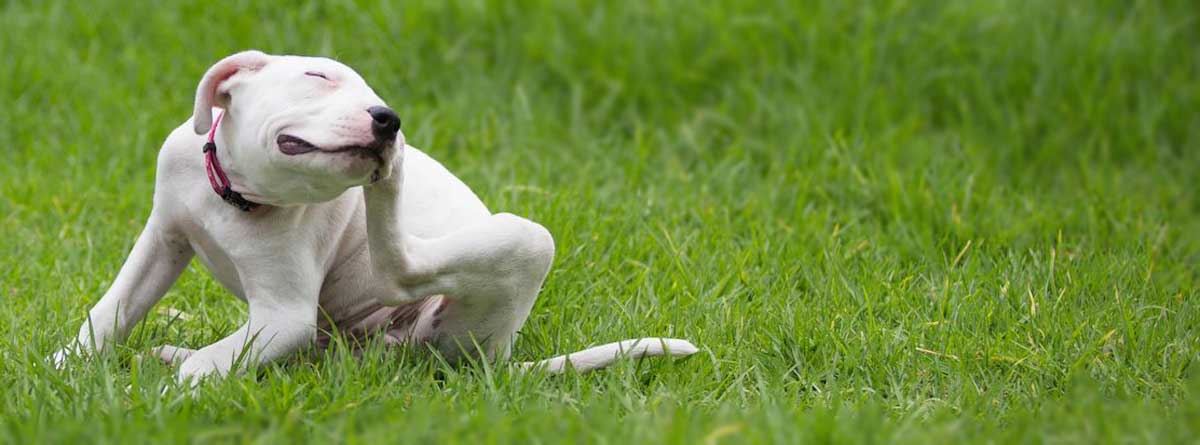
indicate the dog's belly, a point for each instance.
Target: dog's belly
{"x":395,"y":325}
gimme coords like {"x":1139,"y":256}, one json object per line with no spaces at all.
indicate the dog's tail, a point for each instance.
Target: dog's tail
{"x":604,"y":355}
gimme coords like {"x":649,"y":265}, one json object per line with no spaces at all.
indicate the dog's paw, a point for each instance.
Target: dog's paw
{"x":171,"y":355}
{"x":181,"y":389}
{"x":61,"y":358}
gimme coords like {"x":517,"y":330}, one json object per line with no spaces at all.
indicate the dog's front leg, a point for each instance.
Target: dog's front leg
{"x":283,"y":319}
{"x":158,"y":257}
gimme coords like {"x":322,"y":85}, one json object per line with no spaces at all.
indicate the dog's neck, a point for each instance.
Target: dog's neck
{"x":217,"y":178}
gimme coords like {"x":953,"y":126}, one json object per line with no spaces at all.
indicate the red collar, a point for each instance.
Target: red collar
{"x":216,"y":177}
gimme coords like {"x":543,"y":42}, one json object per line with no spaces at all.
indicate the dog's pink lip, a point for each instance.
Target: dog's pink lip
{"x":291,"y":145}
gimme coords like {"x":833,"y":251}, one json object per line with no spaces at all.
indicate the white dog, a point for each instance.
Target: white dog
{"x":263,"y":184}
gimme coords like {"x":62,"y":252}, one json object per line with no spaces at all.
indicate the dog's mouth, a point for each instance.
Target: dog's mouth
{"x":292,"y":146}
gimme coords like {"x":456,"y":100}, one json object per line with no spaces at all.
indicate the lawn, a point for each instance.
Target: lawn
{"x":888,"y":221}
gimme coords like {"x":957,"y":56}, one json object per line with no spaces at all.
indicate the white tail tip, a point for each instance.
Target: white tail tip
{"x":604,"y":355}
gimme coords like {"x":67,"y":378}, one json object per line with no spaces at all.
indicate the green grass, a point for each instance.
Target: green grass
{"x":890,"y":222}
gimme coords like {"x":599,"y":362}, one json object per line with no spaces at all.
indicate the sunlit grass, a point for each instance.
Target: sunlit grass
{"x":895,"y":221}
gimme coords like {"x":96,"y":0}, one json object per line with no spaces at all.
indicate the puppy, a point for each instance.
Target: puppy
{"x":293,"y":185}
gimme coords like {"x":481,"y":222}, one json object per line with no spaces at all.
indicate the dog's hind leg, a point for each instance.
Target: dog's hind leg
{"x":489,"y":273}
{"x":489,"y":276}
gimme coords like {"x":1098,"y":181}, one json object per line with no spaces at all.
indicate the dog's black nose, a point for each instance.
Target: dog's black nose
{"x":386,"y":123}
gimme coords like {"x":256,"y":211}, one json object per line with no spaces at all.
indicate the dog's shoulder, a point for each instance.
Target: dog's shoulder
{"x":180,"y":169}
{"x":181,"y":151}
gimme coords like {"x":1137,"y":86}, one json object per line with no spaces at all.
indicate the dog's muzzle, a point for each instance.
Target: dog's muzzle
{"x":385,"y":125}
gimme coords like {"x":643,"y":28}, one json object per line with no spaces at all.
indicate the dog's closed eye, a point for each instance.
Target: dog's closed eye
{"x":316,"y":74}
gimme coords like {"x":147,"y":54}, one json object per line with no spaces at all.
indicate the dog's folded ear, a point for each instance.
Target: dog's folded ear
{"x":210,"y":93}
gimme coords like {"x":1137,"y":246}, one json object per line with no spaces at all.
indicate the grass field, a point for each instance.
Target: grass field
{"x":894,"y":221}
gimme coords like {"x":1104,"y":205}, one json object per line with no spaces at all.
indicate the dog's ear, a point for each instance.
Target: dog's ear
{"x":209,"y":92}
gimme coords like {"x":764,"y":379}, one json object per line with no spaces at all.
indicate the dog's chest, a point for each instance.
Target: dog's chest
{"x":218,"y":262}
{"x":318,"y":251}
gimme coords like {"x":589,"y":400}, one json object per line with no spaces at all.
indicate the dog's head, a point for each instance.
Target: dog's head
{"x":297,"y":129}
